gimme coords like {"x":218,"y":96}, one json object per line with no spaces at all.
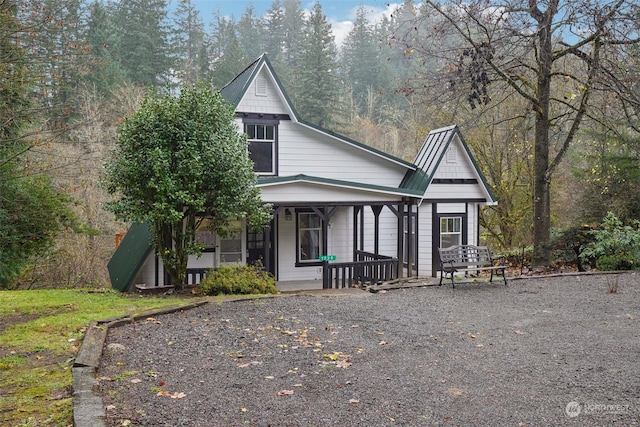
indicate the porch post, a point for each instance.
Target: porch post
{"x":376,"y":236}
{"x":401,"y":238}
{"x":410,"y":250}
{"x":267,"y":245}
{"x":356,"y":210}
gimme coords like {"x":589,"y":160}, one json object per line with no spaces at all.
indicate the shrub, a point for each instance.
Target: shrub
{"x":615,"y":246}
{"x":237,"y":280}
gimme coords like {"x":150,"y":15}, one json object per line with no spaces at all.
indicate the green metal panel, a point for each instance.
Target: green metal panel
{"x":130,"y":256}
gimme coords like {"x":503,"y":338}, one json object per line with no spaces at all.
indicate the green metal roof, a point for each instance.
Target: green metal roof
{"x":130,"y":256}
{"x":262,"y":182}
{"x":430,"y":156}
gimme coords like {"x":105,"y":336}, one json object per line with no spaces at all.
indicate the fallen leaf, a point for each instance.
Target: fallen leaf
{"x":161,"y":383}
{"x":354,"y":401}
{"x":243,"y":409}
{"x":269,"y":377}
{"x":243,"y":365}
{"x":136,"y":380}
{"x":126,"y":423}
{"x":518,"y":332}
{"x":455,"y":392}
{"x":285,"y":392}
{"x":473,"y":337}
{"x":163,"y":393}
{"x":110,"y":407}
{"x":297,"y":385}
{"x":178,"y":395}
{"x":383,"y":342}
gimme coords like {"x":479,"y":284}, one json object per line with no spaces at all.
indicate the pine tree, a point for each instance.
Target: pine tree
{"x":250,"y":33}
{"x":227,"y":56}
{"x":274,"y":33}
{"x":188,"y":43}
{"x":143,"y":51}
{"x":363,"y":67}
{"x":103,"y":70}
{"x":317,"y":85}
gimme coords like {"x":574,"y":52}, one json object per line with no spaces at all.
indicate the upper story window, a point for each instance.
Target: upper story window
{"x":262,"y":147}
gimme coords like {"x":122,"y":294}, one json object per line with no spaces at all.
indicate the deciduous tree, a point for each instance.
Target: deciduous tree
{"x":556,"y":55}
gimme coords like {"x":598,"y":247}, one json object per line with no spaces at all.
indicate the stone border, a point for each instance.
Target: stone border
{"x":88,"y":408}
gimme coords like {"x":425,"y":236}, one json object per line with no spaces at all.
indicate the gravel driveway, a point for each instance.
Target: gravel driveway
{"x":544,"y":351}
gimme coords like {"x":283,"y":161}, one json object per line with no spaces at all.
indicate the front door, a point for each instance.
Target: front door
{"x":256,"y":243}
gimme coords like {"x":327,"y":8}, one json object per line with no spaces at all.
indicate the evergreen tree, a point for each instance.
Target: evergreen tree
{"x":292,"y":35}
{"x":177,"y":161}
{"x":100,"y":37}
{"x":363,"y":68}
{"x":274,"y":33}
{"x":32,"y":213}
{"x":55,"y":54}
{"x":143,"y":51}
{"x":188,"y":43}
{"x":250,"y":33}
{"x":317,"y":86}
{"x":227,"y":56}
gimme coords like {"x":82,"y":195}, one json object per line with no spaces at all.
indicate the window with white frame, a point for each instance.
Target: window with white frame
{"x":309,"y":237}
{"x":262,"y":147}
{"x":450,"y":231}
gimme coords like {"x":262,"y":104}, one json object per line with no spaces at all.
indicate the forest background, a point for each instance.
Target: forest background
{"x":73,"y":69}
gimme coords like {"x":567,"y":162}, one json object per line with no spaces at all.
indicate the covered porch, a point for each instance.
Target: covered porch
{"x":366,"y":254}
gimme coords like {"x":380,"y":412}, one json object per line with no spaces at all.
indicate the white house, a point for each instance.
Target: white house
{"x":367,"y":212}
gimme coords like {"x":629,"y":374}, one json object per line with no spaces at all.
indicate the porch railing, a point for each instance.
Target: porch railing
{"x":368,"y":269}
{"x":195,"y":275}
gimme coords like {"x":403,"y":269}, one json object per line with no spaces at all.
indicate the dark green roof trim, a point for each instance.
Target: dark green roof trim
{"x":130,"y":256}
{"x":263,"y":182}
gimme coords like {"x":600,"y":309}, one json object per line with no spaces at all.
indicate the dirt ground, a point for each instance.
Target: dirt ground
{"x":542,"y":351}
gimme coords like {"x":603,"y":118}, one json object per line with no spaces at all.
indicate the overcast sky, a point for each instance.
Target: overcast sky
{"x":340,"y":13}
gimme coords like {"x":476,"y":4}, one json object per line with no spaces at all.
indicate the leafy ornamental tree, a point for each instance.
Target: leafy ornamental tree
{"x":177,"y":161}
{"x":556,"y":55}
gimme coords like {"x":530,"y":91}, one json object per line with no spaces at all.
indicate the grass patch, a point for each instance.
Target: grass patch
{"x":40,"y":333}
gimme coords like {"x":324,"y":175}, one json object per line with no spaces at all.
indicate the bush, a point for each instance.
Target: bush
{"x":615,"y":246}
{"x":237,"y":280}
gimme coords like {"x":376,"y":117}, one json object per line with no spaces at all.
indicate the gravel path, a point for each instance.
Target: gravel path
{"x":543,"y":351}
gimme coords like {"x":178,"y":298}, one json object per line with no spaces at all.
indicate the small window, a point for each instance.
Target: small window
{"x":205,"y":236}
{"x":450,"y":231}
{"x":262,"y":140}
{"x":309,"y":237}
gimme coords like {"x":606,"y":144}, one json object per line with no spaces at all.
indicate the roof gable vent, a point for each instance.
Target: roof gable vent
{"x":261,"y":86}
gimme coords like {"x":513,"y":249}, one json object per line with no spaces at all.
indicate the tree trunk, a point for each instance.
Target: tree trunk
{"x":542,"y":187}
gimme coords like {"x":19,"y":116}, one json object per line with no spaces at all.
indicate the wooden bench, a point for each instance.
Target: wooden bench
{"x":465,"y":258}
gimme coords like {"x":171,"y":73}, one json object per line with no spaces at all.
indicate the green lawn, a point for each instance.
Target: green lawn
{"x":40,"y":334}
